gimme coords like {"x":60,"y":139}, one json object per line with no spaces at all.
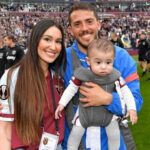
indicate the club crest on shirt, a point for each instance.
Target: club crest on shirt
{"x":14,"y":52}
{"x":59,"y":89}
{"x":45,"y":140}
{"x":4,"y":92}
{"x":59,"y":85}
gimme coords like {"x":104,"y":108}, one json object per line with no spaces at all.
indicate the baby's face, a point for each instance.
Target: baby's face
{"x":101,"y":63}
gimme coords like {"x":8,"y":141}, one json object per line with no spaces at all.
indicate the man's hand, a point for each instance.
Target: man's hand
{"x":94,"y":95}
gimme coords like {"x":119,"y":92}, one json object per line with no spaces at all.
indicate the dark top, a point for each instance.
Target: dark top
{"x":143,"y":49}
{"x":2,"y":60}
{"x":13,"y":55}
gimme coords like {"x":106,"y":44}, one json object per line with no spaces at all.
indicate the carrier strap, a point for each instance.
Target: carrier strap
{"x":127,"y":135}
{"x":73,"y":104}
{"x":75,"y":60}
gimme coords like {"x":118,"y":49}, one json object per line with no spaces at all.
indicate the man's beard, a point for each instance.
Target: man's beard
{"x":83,"y":45}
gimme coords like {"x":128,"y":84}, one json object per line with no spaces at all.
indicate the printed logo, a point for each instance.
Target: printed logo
{"x":4,"y":92}
{"x":59,"y":89}
{"x":14,"y":52}
{"x":1,"y":55}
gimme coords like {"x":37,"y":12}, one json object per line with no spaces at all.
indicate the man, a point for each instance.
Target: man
{"x":84,"y":26}
{"x":103,"y":34}
{"x":148,"y":54}
{"x":115,"y":39}
{"x":14,"y":52}
{"x":2,"y":56}
{"x":143,"y":49}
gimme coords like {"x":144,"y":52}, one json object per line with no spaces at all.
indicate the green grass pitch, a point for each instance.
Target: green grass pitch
{"x":141,"y":130}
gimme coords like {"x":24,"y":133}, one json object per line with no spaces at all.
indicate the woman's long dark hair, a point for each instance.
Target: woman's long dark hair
{"x":30,"y":91}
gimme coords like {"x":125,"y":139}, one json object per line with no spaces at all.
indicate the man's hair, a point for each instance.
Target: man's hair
{"x":102,"y":45}
{"x":81,"y":6}
{"x":11,"y":37}
{"x":143,"y":33}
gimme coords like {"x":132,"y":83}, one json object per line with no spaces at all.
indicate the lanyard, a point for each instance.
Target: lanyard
{"x":54,"y":103}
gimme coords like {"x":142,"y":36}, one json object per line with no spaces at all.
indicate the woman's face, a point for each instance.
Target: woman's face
{"x":50,"y":46}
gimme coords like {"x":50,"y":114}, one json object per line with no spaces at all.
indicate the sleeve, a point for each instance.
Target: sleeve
{"x":6,"y":113}
{"x":20,"y":53}
{"x":128,"y":69}
{"x":70,"y":91}
{"x":126,"y":97}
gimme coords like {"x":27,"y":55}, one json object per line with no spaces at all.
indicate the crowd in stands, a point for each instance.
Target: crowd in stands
{"x":123,"y":30}
{"x":57,"y":7}
{"x":34,"y":7}
{"x":18,"y":19}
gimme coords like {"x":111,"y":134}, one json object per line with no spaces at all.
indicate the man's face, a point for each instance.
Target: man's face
{"x":7,"y":41}
{"x":142,"y":36}
{"x":84,"y":27}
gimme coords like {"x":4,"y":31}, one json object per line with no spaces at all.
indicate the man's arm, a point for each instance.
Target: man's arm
{"x":20,"y":54}
{"x":95,"y":96}
{"x":128,"y":69}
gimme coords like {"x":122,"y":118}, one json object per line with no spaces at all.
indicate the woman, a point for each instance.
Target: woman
{"x":30,"y":90}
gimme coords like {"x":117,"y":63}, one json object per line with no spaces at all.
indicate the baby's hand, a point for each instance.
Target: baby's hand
{"x":133,"y":116}
{"x":58,"y":111}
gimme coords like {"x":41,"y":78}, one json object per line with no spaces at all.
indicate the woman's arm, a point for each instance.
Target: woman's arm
{"x":5,"y":135}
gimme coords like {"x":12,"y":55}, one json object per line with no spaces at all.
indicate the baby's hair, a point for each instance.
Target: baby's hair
{"x":102,"y":45}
